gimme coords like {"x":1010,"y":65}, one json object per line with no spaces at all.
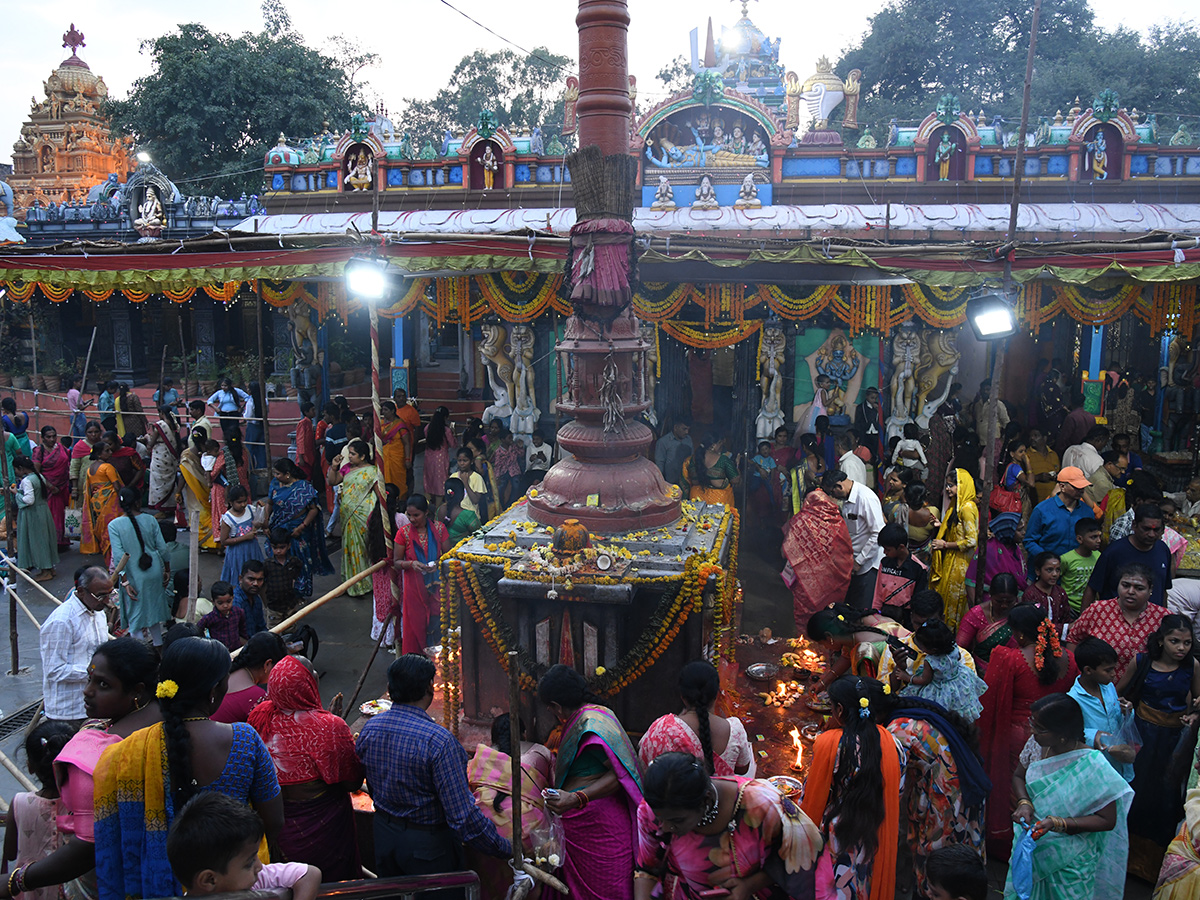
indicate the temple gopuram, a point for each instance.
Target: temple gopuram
{"x":65,"y":148}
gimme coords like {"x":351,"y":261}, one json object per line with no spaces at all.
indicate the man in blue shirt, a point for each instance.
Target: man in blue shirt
{"x":107,"y":407}
{"x":248,"y":595}
{"x":417,"y":773}
{"x":1144,"y":547}
{"x":1052,"y":524}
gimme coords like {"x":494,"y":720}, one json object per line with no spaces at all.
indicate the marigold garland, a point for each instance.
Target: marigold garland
{"x":1047,"y":637}
{"x":722,"y":335}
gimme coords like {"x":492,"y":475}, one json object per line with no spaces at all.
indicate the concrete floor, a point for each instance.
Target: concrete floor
{"x":344,"y":627}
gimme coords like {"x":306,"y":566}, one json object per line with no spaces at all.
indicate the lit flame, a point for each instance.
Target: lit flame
{"x":799,"y":763}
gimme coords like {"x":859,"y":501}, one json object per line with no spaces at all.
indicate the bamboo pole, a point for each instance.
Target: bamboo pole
{"x":370,"y":662}
{"x":183,"y":354}
{"x":12,"y":567}
{"x":16,"y":773}
{"x":21,"y":603}
{"x":193,"y":564}
{"x":87,"y":362}
{"x":514,"y":733}
{"x":37,"y":412}
{"x":262,"y":379}
{"x":11,"y":535}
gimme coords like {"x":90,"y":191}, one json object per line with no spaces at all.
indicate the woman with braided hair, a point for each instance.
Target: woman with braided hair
{"x":855,"y":640}
{"x":142,"y":782}
{"x":1016,"y":678}
{"x":144,"y":600}
{"x":853,"y":791}
{"x":720,"y":743}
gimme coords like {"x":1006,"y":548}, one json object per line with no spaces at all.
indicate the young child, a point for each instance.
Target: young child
{"x":900,"y":575}
{"x":926,"y":606}
{"x":1077,"y":564}
{"x":226,"y":623}
{"x":766,"y":484}
{"x":1162,"y":686}
{"x":30,"y":833}
{"x":956,"y":872}
{"x":1103,"y":710}
{"x":1046,"y":591}
{"x":279,"y":579}
{"x":238,"y":534}
{"x":942,"y":676}
{"x":909,"y":452}
{"x":209,"y":457}
{"x":213,"y":849}
{"x":507,"y":458}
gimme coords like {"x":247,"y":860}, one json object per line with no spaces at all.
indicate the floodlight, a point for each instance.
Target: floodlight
{"x":143,"y":156}
{"x":367,"y":278}
{"x":991,"y":317}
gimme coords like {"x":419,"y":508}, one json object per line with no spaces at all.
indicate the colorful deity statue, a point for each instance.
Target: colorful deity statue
{"x":1098,"y":148}
{"x":490,"y":165}
{"x":706,"y":197}
{"x":945,"y":153}
{"x":359,"y":177}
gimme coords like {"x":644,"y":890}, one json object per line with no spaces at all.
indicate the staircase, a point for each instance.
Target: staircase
{"x":439,"y":387}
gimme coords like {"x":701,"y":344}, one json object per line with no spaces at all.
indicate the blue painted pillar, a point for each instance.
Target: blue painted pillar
{"x":1096,"y":351}
{"x":1164,"y":360}
{"x":400,"y":358}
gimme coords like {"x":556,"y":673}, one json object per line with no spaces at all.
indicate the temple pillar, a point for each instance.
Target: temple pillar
{"x":604,"y":107}
{"x":204,"y":332}
{"x":129,"y":345}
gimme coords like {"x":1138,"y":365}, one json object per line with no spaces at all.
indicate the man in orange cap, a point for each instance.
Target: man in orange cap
{"x":1052,"y":524}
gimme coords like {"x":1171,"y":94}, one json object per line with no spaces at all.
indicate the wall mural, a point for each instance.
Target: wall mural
{"x":832,"y":370}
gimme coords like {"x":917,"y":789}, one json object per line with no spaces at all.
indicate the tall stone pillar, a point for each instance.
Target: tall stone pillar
{"x":609,"y":485}
{"x":129,"y":345}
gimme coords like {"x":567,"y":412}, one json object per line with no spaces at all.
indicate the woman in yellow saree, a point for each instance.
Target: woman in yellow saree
{"x":197,"y":488}
{"x":362,"y":491}
{"x":394,"y":460}
{"x":100,"y":487}
{"x":954,"y":545}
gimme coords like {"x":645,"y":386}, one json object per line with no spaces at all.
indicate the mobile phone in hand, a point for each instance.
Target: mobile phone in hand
{"x":715,"y":892}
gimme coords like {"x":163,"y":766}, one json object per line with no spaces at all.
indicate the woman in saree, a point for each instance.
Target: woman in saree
{"x":419,"y":544}
{"x":36,"y":549}
{"x":293,"y":504}
{"x":1003,"y":555}
{"x":130,"y":415}
{"x":54,"y":465}
{"x":145,"y":779}
{"x":439,"y":442}
{"x":144,"y":600}
{"x":1076,"y":803}
{"x":598,"y":781}
{"x":1016,"y":678}
{"x":126,"y":460}
{"x":985,"y":627}
{"x":945,"y":785}
{"x":81,"y":452}
{"x":698,"y":834}
{"x":855,"y":641}
{"x":307,"y":457}
{"x":362,"y":496}
{"x":955,"y":545}
{"x":394,"y":459}
{"x":1179,"y":878}
{"x":720,"y":743}
{"x":809,"y":467}
{"x":314,"y":757}
{"x":229,"y":470}
{"x":197,"y":489}
{"x":459,"y":521}
{"x":816,"y":545}
{"x":489,"y":773}
{"x":853,"y":790}
{"x":165,"y":450}
{"x":118,"y":700}
{"x":710,"y":473}
{"x":100,"y":488}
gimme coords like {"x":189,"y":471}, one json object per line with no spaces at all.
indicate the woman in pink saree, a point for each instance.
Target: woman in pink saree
{"x":490,"y":775}
{"x":816,"y":545}
{"x":54,"y":464}
{"x":597,"y":780}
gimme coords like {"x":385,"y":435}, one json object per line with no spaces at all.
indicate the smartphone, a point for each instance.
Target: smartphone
{"x":550,"y":794}
{"x":715,"y":892}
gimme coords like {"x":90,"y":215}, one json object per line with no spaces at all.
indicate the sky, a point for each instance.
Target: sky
{"x":418,"y":41}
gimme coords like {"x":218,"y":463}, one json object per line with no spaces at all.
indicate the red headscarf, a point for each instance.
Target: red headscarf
{"x":306,"y":742}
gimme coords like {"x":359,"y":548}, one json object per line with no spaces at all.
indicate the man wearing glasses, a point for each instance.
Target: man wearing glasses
{"x":69,"y":637}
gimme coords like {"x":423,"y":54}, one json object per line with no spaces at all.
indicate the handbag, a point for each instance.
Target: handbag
{"x":1005,"y":501}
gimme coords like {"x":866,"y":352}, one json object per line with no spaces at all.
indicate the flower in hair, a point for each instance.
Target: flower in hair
{"x":887,"y":687}
{"x":166,"y":690}
{"x":841,"y":618}
{"x":864,"y":702}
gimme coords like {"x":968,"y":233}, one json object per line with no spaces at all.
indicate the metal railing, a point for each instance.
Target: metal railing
{"x":372,"y":889}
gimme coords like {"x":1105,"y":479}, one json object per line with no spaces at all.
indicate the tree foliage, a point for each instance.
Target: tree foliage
{"x":213,"y":103}
{"x":914,"y":51}
{"x":524,"y":92}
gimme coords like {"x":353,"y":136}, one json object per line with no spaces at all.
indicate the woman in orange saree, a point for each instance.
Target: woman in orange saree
{"x":100,"y":488}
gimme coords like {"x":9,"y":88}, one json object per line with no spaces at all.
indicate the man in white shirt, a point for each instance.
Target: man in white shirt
{"x":1086,"y":456}
{"x":864,"y":519}
{"x":69,"y":637}
{"x":854,"y":467}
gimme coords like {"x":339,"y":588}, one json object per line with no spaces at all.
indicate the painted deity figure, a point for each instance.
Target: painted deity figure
{"x":490,"y":165}
{"x":840,"y":361}
{"x":906,"y":354}
{"x":939,"y":362}
{"x":945,"y":153}
{"x":359,"y":177}
{"x":525,"y":413}
{"x":664,"y":195}
{"x":771,"y":362}
{"x":149,"y":222}
{"x":706,"y":197}
{"x":748,"y":194}
{"x":1098,"y":148}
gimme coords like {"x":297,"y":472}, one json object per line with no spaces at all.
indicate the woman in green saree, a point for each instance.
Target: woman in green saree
{"x":459,"y":521}
{"x":362,"y":495}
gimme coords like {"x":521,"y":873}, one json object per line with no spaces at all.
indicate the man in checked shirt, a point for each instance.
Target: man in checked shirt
{"x":417,"y":772}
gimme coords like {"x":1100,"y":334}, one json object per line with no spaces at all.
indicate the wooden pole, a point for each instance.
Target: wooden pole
{"x":162,"y":374}
{"x":183,"y":354}
{"x":193,"y":564}
{"x":24,"y":608}
{"x":12,"y":566}
{"x":37,"y":414}
{"x":370,"y":662}
{"x":262,"y":378}
{"x":514,"y":732}
{"x":87,"y":362}
{"x":18,"y":774}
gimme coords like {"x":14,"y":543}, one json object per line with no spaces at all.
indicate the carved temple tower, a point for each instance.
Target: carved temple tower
{"x":65,"y":145}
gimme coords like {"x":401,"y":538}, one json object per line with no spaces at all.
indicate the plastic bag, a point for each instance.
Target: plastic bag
{"x":1127,"y":740}
{"x":1020,"y":867}
{"x":548,"y":843}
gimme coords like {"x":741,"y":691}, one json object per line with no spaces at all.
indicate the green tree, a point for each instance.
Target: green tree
{"x":213,"y":104}
{"x":525,"y":92}
{"x":677,"y":75}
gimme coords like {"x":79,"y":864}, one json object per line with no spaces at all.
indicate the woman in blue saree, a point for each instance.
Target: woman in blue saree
{"x":598,"y":782}
{"x":292,"y":504}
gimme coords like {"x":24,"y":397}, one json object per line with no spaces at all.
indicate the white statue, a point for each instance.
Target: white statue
{"x":906,"y":354}
{"x":771,"y":356}
{"x":939,"y":364}
{"x":525,"y":413}
{"x":499,"y":371}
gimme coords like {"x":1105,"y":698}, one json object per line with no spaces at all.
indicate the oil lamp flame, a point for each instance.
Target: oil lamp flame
{"x":799,"y":763}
